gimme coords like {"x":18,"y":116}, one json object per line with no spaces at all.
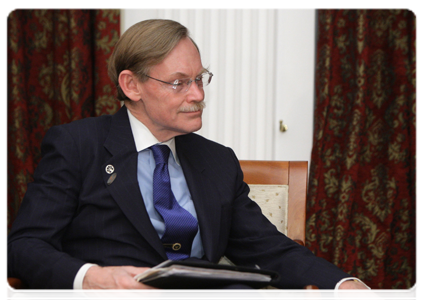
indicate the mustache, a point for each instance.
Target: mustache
{"x":194,"y":107}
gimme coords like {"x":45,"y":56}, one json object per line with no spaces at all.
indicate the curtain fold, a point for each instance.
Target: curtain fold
{"x":57,"y":73}
{"x":361,"y":199}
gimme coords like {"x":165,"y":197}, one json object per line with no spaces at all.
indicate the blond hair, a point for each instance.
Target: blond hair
{"x":142,"y":46}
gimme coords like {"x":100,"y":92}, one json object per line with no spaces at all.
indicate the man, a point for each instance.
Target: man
{"x":91,"y":218}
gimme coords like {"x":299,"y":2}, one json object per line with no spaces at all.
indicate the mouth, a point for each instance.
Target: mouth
{"x":193,"y":108}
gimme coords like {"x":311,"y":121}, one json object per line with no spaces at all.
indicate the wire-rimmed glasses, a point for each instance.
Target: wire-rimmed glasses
{"x":183,"y":85}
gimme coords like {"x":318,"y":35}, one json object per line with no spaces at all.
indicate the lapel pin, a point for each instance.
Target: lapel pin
{"x":111,"y":179}
{"x":110,"y":169}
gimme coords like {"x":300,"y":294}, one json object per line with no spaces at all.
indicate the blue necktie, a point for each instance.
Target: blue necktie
{"x":181,"y":226}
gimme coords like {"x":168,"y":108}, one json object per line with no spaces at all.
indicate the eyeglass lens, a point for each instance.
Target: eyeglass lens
{"x":201,"y":81}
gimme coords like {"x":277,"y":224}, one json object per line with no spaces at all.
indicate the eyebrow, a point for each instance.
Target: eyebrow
{"x":186,"y":75}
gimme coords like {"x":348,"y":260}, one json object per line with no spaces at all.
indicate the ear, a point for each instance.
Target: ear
{"x":130,"y":85}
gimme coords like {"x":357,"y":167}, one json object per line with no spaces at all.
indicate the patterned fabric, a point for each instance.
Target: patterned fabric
{"x":57,"y":73}
{"x":273,"y":201}
{"x":181,"y":226}
{"x":361,"y":201}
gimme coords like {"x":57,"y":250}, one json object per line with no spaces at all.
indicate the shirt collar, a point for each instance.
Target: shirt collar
{"x":144,"y":138}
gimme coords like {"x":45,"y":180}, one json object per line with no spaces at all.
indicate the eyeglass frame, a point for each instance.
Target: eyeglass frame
{"x":189,"y":82}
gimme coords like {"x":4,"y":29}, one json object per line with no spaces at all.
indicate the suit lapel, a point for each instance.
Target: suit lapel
{"x":124,"y":188}
{"x":201,"y":189}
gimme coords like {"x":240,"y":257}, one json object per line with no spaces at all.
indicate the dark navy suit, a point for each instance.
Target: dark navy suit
{"x":71,"y":215}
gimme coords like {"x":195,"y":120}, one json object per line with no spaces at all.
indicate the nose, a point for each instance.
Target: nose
{"x":195,"y":93}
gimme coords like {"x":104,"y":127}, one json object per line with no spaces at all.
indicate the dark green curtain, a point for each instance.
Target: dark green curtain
{"x":57,"y":73}
{"x":362,"y":189}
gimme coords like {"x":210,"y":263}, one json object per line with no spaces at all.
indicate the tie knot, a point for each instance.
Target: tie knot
{"x":161,"y":153}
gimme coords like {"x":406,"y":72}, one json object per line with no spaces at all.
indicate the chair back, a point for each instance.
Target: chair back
{"x":280,"y":189}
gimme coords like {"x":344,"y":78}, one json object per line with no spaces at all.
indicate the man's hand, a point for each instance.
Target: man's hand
{"x":113,"y":278}
{"x":353,"y":290}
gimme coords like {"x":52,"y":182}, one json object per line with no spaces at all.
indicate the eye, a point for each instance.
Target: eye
{"x":179,"y":84}
{"x":202,"y":80}
{"x":199,"y":80}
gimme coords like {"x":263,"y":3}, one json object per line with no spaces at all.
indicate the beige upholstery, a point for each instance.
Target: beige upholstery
{"x":273,"y":201}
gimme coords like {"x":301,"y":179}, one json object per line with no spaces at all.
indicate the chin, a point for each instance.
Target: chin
{"x":193,"y":128}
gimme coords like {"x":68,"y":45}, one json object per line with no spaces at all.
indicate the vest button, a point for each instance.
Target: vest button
{"x":176,"y":246}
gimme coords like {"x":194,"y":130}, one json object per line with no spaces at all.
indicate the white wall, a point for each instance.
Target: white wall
{"x":295,"y":84}
{"x":263,"y":61}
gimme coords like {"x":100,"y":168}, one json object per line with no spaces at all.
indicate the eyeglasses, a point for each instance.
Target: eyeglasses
{"x":183,"y":85}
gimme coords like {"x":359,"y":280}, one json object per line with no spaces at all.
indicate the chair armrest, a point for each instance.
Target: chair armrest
{"x":312,"y":292}
{"x":12,"y":286}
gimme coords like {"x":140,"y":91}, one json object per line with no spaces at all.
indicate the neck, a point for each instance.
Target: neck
{"x":137,"y":112}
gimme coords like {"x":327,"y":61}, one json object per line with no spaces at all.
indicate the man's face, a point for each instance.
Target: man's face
{"x":168,"y":113}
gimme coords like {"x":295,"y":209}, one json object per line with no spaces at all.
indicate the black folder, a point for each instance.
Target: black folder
{"x":204,"y":275}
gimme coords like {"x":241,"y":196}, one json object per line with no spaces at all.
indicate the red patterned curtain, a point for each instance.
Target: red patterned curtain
{"x":361,"y":202}
{"x":57,"y":73}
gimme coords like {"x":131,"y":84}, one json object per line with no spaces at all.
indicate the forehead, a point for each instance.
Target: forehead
{"x":184,"y":59}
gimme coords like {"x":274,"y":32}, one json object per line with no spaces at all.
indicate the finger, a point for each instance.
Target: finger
{"x":141,"y":288}
{"x":135,"y":270}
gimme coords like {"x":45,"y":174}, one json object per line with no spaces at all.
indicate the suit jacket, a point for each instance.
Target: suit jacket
{"x":72,"y":214}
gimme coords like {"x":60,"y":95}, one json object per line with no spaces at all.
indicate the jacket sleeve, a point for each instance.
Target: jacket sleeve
{"x":34,"y":243}
{"x":254,"y":241}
